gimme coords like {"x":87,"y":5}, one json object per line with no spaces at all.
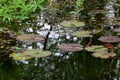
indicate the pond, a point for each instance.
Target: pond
{"x":60,"y":65}
{"x":59,"y":40}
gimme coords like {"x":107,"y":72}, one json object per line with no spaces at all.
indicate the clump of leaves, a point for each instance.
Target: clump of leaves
{"x":80,"y":3}
{"x":18,"y":9}
{"x":72,"y":23}
{"x":30,"y":38}
{"x":82,"y":34}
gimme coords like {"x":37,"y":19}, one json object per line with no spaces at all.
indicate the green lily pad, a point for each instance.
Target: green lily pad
{"x":103,"y":55}
{"x":82,"y":34}
{"x":95,"y":48}
{"x":30,"y":38}
{"x":95,"y":31}
{"x":36,"y":53}
{"x":19,"y":56}
{"x":29,"y":54}
{"x":72,"y":23}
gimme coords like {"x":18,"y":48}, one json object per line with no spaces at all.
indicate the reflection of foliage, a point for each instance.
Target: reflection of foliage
{"x":7,"y":40}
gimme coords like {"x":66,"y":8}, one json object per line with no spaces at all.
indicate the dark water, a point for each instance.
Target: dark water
{"x":60,"y":65}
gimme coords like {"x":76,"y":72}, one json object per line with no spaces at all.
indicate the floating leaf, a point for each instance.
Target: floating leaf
{"x":19,"y":56}
{"x":95,"y":31}
{"x":117,"y":30}
{"x":30,"y":38}
{"x":109,"y":46}
{"x":111,"y":39}
{"x":36,"y":53}
{"x":103,"y":55}
{"x":70,"y":47}
{"x":28,"y":54}
{"x":95,"y":48}
{"x":81,"y":34}
{"x":72,"y":23}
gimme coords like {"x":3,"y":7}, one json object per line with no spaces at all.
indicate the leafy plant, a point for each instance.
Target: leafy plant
{"x":79,"y":3}
{"x":18,"y":9}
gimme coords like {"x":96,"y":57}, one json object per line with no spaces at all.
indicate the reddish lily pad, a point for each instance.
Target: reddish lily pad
{"x":109,"y":46}
{"x":30,"y":38}
{"x":104,"y":55}
{"x":109,"y":39}
{"x":117,"y":30}
{"x":70,"y":47}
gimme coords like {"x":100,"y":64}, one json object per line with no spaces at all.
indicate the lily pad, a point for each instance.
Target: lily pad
{"x":19,"y":56}
{"x":36,"y":53}
{"x":103,"y":55}
{"x":72,"y":23}
{"x":70,"y":47}
{"x":95,"y":31}
{"x":117,"y":30}
{"x":95,"y":48}
{"x":28,"y":54}
{"x":111,"y":39}
{"x":30,"y":38}
{"x":81,"y":34}
{"x":109,"y":46}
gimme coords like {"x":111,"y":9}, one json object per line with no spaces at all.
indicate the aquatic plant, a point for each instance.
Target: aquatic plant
{"x":109,"y":39}
{"x":82,"y":34}
{"x":29,"y":54}
{"x":30,"y":38}
{"x":19,"y":56}
{"x":72,"y":23}
{"x":103,"y":55}
{"x":109,"y":46}
{"x":70,"y":47}
{"x":95,"y":48}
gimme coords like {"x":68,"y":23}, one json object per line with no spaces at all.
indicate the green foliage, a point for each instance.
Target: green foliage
{"x":79,"y":3}
{"x":18,"y":9}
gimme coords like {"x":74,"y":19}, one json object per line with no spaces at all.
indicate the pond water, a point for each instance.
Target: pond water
{"x":60,"y":65}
